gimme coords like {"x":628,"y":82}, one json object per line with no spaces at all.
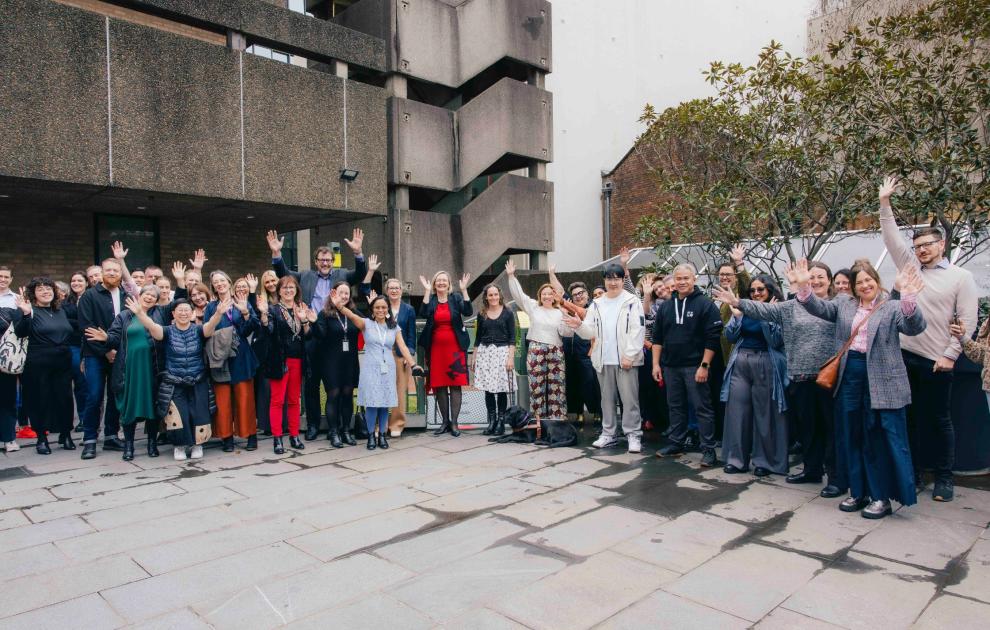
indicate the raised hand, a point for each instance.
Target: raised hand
{"x":887,"y":189}
{"x":798,"y":273}
{"x":725,"y":297}
{"x":199,"y":259}
{"x":275,"y":243}
{"x":23,"y":302}
{"x":909,"y":280}
{"x":373,"y":263}
{"x":426,"y":284}
{"x":134,"y":305}
{"x":737,"y":253}
{"x":225,"y":305}
{"x":372,"y":294}
{"x":263,"y":304}
{"x":118,"y":250}
{"x":356,"y":240}
{"x":570,"y":321}
{"x":242,"y":306}
{"x":178,"y":271}
{"x":510,"y":267}
{"x":624,"y":256}
{"x":252,"y":281}
{"x":95,"y":334}
{"x":463,"y":284}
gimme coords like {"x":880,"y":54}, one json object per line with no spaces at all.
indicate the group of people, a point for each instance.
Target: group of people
{"x":217,"y":357}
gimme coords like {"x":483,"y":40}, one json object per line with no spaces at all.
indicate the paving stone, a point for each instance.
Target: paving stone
{"x":360,"y":506}
{"x":182,"y":619}
{"x":226,"y":540}
{"x":160,"y":508}
{"x":401,"y":475}
{"x":585,"y":594}
{"x":584,"y":466}
{"x":110,"y":482}
{"x":759,"y":503}
{"x":551,"y":477}
{"x":675,"y":612}
{"x":25,"y":499}
{"x":453,"y":589}
{"x":375,"y":611}
{"x":975,"y":573}
{"x":223,"y":477}
{"x":487,"y":454}
{"x":453,"y":445}
{"x":31,"y":560}
{"x":684,"y":543}
{"x":691,"y":484}
{"x":154,"y":596}
{"x":462,"y":479}
{"x":86,"y":472}
{"x":968,"y":506}
{"x":953,"y":613}
{"x":986,"y":534}
{"x":546,"y":509}
{"x":86,"y":505}
{"x":821,"y":528}
{"x":541,"y":458}
{"x":616,"y":481}
{"x":783,"y":619}
{"x":496,"y":494}
{"x":31,"y":535}
{"x":264,"y":485}
{"x":595,"y":531}
{"x":616,"y":456}
{"x":337,"y":541}
{"x":291,"y":500}
{"x":919,"y":540}
{"x":34,"y":591}
{"x":859,"y":590}
{"x":447,"y":544}
{"x":717,"y":474}
{"x":89,"y":612}
{"x":137,"y":535}
{"x":12,"y":518}
{"x":383,"y":460}
{"x":752,"y":580}
{"x":276,"y":602}
{"x":481,"y":619}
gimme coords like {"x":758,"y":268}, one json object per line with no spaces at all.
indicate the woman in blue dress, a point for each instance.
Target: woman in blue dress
{"x":376,"y":385}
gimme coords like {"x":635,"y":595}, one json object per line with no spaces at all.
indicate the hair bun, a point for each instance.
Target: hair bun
{"x":862,"y":262}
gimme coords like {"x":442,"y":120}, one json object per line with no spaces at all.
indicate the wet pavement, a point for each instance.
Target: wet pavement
{"x":460,"y":533}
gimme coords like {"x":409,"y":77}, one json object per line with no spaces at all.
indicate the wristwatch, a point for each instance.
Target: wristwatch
{"x":705,"y":364}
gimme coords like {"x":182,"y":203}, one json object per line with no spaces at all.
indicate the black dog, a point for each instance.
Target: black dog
{"x":528,"y":430}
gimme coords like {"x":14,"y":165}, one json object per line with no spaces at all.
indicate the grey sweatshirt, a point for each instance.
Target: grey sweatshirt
{"x":808,"y":341}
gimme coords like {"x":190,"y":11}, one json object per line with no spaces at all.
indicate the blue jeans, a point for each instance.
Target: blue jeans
{"x":98,"y":372}
{"x":376,"y":415}
{"x":8,"y":407}
{"x":79,"y":385}
{"x":871,"y":444}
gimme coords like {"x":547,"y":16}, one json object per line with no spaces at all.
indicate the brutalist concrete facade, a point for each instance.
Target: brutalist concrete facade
{"x":155,"y":108}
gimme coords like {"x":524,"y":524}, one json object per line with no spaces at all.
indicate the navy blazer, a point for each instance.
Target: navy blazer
{"x":459,"y":309}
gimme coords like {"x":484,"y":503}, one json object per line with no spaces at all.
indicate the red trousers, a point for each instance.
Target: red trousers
{"x":285,"y":391}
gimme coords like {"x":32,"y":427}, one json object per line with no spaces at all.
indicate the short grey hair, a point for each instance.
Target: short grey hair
{"x":150,"y":288}
{"x":685,"y":267}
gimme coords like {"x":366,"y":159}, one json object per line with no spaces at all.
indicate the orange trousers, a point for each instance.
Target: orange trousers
{"x":236,"y":414}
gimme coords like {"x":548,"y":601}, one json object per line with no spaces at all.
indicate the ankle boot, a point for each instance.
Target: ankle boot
{"x":252,"y":442}
{"x":152,"y":445}
{"x":335,"y":439}
{"x":444,"y":428}
{"x":490,"y":429}
{"x":371,"y":441}
{"x":42,"y":447}
{"x":382,"y":442}
{"x":499,"y":424}
{"x":454,"y":432}
{"x":348,"y":438}
{"x":312,"y":430}
{"x":277,"y":445}
{"x":128,"y":450}
{"x":228,"y":445}
{"x":296,"y":443}
{"x":65,"y":441}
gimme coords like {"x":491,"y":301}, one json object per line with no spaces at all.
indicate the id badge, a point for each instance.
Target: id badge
{"x":384,"y":368}
{"x":347,"y":346}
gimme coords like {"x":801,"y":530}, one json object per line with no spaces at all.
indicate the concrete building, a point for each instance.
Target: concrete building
{"x":151,"y":121}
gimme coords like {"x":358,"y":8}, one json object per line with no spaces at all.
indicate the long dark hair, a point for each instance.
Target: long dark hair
{"x":773,"y":289}
{"x":484,"y":298}
{"x":43,"y":281}
{"x":389,"y":319}
{"x":71,"y":297}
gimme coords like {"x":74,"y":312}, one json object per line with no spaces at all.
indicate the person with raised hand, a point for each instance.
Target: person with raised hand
{"x":315,"y":286}
{"x":405,"y":317}
{"x":445,"y":341}
{"x":930,"y":357}
{"x":808,"y":341}
{"x":872,"y":393}
{"x":184,"y":400}
{"x":232,"y":363}
{"x":376,"y":390}
{"x":336,"y":365}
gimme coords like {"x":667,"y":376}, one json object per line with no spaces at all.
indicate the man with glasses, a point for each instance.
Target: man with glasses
{"x":949,"y":295}
{"x":316,"y":285}
{"x":732,"y":276}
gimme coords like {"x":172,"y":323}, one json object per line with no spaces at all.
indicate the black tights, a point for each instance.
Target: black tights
{"x":340,"y":408}
{"x":449,"y":402}
{"x":502,"y":401}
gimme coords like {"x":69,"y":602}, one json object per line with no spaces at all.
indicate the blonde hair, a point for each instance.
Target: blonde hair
{"x":433,"y":282}
{"x":272,"y":296}
{"x":539,"y":293}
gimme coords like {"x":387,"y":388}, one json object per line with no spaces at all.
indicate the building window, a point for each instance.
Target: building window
{"x":290,"y":250}
{"x":138,"y":234}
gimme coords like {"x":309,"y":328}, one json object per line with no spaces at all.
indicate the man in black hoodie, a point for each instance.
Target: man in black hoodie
{"x":686,"y":336}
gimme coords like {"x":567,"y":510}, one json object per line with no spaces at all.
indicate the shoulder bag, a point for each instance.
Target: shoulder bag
{"x":13,"y":350}
{"x":828,"y":373}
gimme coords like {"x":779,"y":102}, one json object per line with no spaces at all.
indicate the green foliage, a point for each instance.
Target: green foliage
{"x":791,"y":147}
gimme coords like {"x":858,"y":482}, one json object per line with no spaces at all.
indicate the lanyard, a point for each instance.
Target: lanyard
{"x":343,"y":323}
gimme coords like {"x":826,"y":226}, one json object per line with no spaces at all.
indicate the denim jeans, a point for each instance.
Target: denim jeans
{"x":79,"y":386}
{"x":98,"y":372}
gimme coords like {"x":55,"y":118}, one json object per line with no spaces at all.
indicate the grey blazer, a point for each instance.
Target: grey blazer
{"x":889,"y":387}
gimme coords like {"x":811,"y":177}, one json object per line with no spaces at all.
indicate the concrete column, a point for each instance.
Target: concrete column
{"x":396,"y":85}
{"x":537,"y":260}
{"x":536,"y":78}
{"x":398,"y":216}
{"x":236,"y":41}
{"x":304,"y":249}
{"x":339,"y":68}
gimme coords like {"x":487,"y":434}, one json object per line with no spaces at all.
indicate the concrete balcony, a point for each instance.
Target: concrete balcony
{"x":507,"y":126}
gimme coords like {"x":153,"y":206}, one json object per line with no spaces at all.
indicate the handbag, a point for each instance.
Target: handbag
{"x":13,"y":350}
{"x":828,"y":373}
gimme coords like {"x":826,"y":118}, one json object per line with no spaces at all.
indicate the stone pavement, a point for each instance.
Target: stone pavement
{"x":460,"y":533}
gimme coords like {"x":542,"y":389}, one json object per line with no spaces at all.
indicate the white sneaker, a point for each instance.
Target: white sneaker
{"x":395,"y":434}
{"x":180,"y":453}
{"x":604,"y":441}
{"x":197,"y":452}
{"x":635,"y":444}
{"x":10,"y":447}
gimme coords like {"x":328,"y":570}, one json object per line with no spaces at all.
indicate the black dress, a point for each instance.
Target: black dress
{"x":47,"y":378}
{"x":338,"y":368}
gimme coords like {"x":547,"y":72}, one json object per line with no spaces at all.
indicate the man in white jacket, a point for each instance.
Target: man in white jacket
{"x":615,"y":321}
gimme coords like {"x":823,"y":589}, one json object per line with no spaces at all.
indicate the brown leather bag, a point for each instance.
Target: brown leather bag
{"x":828,"y":373}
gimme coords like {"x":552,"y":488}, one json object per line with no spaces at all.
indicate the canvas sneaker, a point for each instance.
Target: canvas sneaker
{"x":197,"y":452}
{"x":180,"y":453}
{"x":10,"y":447}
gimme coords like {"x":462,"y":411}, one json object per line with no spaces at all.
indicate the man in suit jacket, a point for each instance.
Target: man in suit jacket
{"x":316,"y":285}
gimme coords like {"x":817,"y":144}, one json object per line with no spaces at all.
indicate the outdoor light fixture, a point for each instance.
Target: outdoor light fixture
{"x":348,"y":174}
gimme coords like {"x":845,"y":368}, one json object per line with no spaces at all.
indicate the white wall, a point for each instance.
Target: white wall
{"x":612,"y":57}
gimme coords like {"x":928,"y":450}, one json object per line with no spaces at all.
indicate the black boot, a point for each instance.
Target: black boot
{"x":277,"y":445}
{"x":228,"y":445}
{"x":444,"y":428}
{"x":252,"y":442}
{"x":296,"y":443}
{"x":490,"y":429}
{"x":312,"y":429}
{"x":65,"y":441}
{"x":348,"y":438}
{"x":382,"y":442}
{"x":499,"y":424}
{"x":335,"y":439}
{"x":371,"y":441}
{"x":128,"y":450}
{"x":153,"y":444}
{"x":42,"y":447}
{"x":89,"y":450}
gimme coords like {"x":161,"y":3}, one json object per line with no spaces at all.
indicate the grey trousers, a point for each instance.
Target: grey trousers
{"x":681,"y":388}
{"x":618,"y":384}
{"x":755,"y":429}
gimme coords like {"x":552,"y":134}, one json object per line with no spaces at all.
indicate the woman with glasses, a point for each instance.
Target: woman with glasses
{"x":581,"y":388}
{"x":753,"y":388}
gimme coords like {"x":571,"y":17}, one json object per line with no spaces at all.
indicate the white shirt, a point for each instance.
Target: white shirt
{"x":8,"y":299}
{"x":115,"y":295}
{"x":609,"y":308}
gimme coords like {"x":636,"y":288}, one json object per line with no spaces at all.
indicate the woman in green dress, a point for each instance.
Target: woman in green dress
{"x":135,"y":369}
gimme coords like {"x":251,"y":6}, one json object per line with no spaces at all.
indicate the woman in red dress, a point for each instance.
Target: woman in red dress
{"x":445,"y":341}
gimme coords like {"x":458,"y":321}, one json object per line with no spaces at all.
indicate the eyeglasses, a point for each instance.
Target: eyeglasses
{"x":579,"y":293}
{"x":920,"y":246}
{"x":726,"y":275}
{"x":758,"y":290}
{"x":324,"y":260}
